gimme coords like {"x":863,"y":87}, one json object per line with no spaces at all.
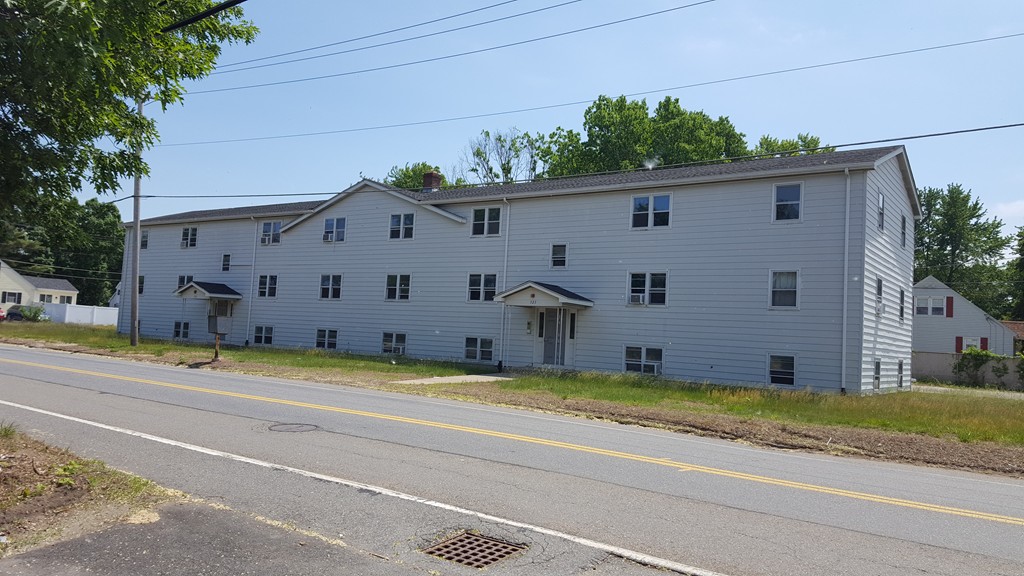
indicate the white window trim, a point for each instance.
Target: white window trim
{"x":264,"y":335}
{"x":398,"y":288}
{"x":799,"y":281}
{"x":659,"y":365}
{"x":487,"y":209}
{"x":479,"y":348}
{"x":482,"y":275}
{"x":327,"y":338}
{"x":880,"y":212}
{"x":334,"y":230}
{"x":394,"y":336}
{"x":650,"y":221}
{"x":647,"y":287}
{"x":341,"y":289}
{"x":401,"y":226}
{"x":768,"y":368}
{"x":803,"y":198}
{"x":277,"y":285}
{"x":267,"y":238}
{"x":551,"y":255}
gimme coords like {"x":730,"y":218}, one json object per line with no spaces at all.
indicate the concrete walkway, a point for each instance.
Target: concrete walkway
{"x":467,"y":378}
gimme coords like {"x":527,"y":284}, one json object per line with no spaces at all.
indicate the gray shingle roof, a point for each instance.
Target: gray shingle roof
{"x":765,"y":167}
{"x":217,"y":289}
{"x":724,"y":170}
{"x":51,"y":283}
{"x":292,"y":208}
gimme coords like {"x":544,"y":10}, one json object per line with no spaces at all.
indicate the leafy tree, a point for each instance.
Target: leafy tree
{"x":502,"y":157}
{"x":69,"y":75}
{"x":410,"y":176}
{"x":960,"y":247}
{"x":791,"y":147}
{"x":1016,"y":277}
{"x":681,"y":136}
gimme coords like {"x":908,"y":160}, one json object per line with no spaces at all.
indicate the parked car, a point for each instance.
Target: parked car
{"x":15,"y":312}
{"x":3,"y":315}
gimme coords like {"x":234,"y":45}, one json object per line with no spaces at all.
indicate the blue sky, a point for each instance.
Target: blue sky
{"x":950,"y":89}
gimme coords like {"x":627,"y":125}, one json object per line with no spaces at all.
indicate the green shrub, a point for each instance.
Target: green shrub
{"x":970,"y":367}
{"x":33,"y":313}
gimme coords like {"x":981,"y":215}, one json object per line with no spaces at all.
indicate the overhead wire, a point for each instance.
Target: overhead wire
{"x":701,"y":162}
{"x":449,"y":56}
{"x":589,"y":101}
{"x":374,"y":35}
{"x":399,"y":41}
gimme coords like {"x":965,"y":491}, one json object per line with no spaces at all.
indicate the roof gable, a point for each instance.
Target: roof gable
{"x":367,"y":185}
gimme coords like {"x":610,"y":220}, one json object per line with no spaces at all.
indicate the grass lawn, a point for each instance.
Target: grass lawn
{"x":968,"y":418}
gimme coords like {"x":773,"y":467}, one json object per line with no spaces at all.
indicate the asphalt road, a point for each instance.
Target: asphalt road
{"x":389,"y":474}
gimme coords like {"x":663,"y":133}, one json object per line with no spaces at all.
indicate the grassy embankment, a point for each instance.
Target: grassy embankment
{"x":968,"y":418}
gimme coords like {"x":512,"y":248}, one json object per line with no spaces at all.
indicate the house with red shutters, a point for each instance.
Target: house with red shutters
{"x":946,"y":322}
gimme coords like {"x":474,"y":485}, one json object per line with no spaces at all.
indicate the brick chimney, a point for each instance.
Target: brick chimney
{"x":431,"y":181}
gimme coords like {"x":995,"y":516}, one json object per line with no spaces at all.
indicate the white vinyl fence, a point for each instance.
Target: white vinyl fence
{"x":75,"y":314}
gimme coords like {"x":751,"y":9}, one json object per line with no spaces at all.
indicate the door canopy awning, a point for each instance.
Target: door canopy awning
{"x":542,"y":295}
{"x":207,"y":291}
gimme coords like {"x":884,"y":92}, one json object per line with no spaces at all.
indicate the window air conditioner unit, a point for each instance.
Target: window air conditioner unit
{"x":879,"y":308}
{"x":398,"y":350}
{"x":637,"y":299}
{"x":657,"y":368}
{"x":184,"y":243}
{"x":264,"y":240}
{"x":328,"y":237}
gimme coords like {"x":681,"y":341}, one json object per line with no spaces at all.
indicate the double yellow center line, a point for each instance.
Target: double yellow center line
{"x":556,"y":444}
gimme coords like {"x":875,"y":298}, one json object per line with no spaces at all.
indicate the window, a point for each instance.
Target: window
{"x":876,"y":379}
{"x":479,"y":349}
{"x":263,"y":335}
{"x":482,"y":287}
{"x":899,"y":374}
{"x":643,"y":359}
{"x":781,"y":369}
{"x":330,"y":286}
{"x":334,"y":230}
{"x":46,"y":298}
{"x":787,"y":202}
{"x":189,"y":236}
{"x":12,"y":297}
{"x":267,"y":286}
{"x":878,"y":296}
{"x":181,"y":330}
{"x":903,"y":304}
{"x":142,"y":284}
{"x":651,"y":211}
{"x":326,"y":339}
{"x":903,"y":231}
{"x":401,"y":226}
{"x":648,"y":288}
{"x":144,"y":240}
{"x":559,"y":255}
{"x":271,"y":233}
{"x":393,"y":343}
{"x":398,"y":287}
{"x":184,"y":281}
{"x":936,"y":306}
{"x":225,"y":263}
{"x":881,"y":211}
{"x":65,"y":299}
{"x":784,"y":289}
{"x":486,"y":221}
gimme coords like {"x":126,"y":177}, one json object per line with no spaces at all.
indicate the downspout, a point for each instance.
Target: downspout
{"x":504,"y":284}
{"x":252,"y":277}
{"x":846,"y":284}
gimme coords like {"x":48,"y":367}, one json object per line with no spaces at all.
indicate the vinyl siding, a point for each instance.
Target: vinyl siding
{"x":717,"y":254}
{"x":938,"y":333}
{"x":885,"y":336}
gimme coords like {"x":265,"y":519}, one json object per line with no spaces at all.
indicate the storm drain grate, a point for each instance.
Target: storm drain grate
{"x":473,"y":550}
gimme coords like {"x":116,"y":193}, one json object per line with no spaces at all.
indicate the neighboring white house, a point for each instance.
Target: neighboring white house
{"x":18,"y":289}
{"x":793,"y":272}
{"x":946,"y":322}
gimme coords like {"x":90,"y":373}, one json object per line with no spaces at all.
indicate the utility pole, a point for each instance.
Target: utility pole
{"x":136,"y":238}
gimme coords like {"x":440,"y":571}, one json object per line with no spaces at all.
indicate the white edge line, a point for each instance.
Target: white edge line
{"x":614,"y":550}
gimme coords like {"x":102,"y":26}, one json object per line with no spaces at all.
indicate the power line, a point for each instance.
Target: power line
{"x":374,"y":35}
{"x":8,"y":260}
{"x":582,"y":102}
{"x":204,"y":14}
{"x":449,"y":56}
{"x":400,"y":41}
{"x":702,"y":162}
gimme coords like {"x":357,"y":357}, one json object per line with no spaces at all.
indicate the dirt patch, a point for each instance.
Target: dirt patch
{"x":47,"y":494}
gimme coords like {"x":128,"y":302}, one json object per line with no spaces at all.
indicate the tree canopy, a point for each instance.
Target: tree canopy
{"x":962,"y":248}
{"x":410,"y":176}
{"x":70,"y":74}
